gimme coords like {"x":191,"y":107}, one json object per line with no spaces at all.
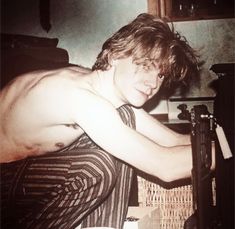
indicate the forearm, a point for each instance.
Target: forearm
{"x":182,"y":140}
{"x":158,"y":132}
{"x":178,"y":162}
{"x":171,"y":163}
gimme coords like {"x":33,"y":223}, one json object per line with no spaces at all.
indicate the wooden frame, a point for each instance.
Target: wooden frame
{"x":165,"y":9}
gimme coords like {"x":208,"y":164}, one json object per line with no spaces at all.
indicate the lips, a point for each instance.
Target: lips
{"x":147,"y":95}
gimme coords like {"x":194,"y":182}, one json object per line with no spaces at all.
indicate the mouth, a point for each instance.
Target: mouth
{"x":144,"y":94}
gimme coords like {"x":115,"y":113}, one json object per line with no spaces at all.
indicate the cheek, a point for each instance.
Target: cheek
{"x":160,"y":82}
{"x":140,"y":77}
{"x":126,"y":75}
{"x":157,"y":88}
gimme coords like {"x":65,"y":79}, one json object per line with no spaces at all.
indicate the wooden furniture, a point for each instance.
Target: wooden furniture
{"x":186,"y":10}
{"x":224,"y":113}
{"x":22,"y":53}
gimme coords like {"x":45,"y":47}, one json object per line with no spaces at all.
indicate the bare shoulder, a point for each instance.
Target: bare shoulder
{"x":42,"y":79}
{"x":79,"y":69}
{"x":50,"y":93}
{"x":30,"y":79}
{"x":55,"y":97}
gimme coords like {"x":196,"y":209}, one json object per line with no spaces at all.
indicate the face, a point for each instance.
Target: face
{"x":135,"y":85}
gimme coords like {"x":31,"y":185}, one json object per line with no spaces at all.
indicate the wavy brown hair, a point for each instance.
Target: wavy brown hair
{"x":152,"y":43}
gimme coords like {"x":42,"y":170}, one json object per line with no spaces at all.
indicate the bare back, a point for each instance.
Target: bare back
{"x":33,"y":114}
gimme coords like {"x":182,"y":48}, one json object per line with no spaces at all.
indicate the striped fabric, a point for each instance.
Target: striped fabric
{"x":60,"y":190}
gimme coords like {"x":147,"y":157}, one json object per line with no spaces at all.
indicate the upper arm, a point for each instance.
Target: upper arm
{"x":101,"y":121}
{"x":155,"y":130}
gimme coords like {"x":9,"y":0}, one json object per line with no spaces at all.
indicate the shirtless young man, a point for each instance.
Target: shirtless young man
{"x":46,"y":111}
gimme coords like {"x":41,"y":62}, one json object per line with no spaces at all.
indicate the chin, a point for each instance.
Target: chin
{"x":138,"y":100}
{"x":138,"y":103}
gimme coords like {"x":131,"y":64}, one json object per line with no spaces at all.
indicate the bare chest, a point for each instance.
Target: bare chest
{"x":38,"y":141}
{"x":55,"y":138}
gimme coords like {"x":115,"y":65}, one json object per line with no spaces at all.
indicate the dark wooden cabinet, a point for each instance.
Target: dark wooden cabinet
{"x":186,"y":10}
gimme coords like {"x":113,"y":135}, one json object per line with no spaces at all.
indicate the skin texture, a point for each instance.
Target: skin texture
{"x":45,"y":111}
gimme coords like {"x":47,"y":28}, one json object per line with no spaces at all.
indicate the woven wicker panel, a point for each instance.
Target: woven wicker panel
{"x":175,"y":204}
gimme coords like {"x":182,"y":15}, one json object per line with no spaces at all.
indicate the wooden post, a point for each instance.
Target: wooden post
{"x":154,"y":7}
{"x":160,"y":8}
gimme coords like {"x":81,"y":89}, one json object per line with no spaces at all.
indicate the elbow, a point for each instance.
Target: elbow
{"x":164,"y":173}
{"x":174,"y":164}
{"x":167,"y":177}
{"x":171,"y":173}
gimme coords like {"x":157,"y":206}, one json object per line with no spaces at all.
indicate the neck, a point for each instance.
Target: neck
{"x":104,"y":85}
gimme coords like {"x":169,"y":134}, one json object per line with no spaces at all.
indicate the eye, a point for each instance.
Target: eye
{"x":161,"y":76}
